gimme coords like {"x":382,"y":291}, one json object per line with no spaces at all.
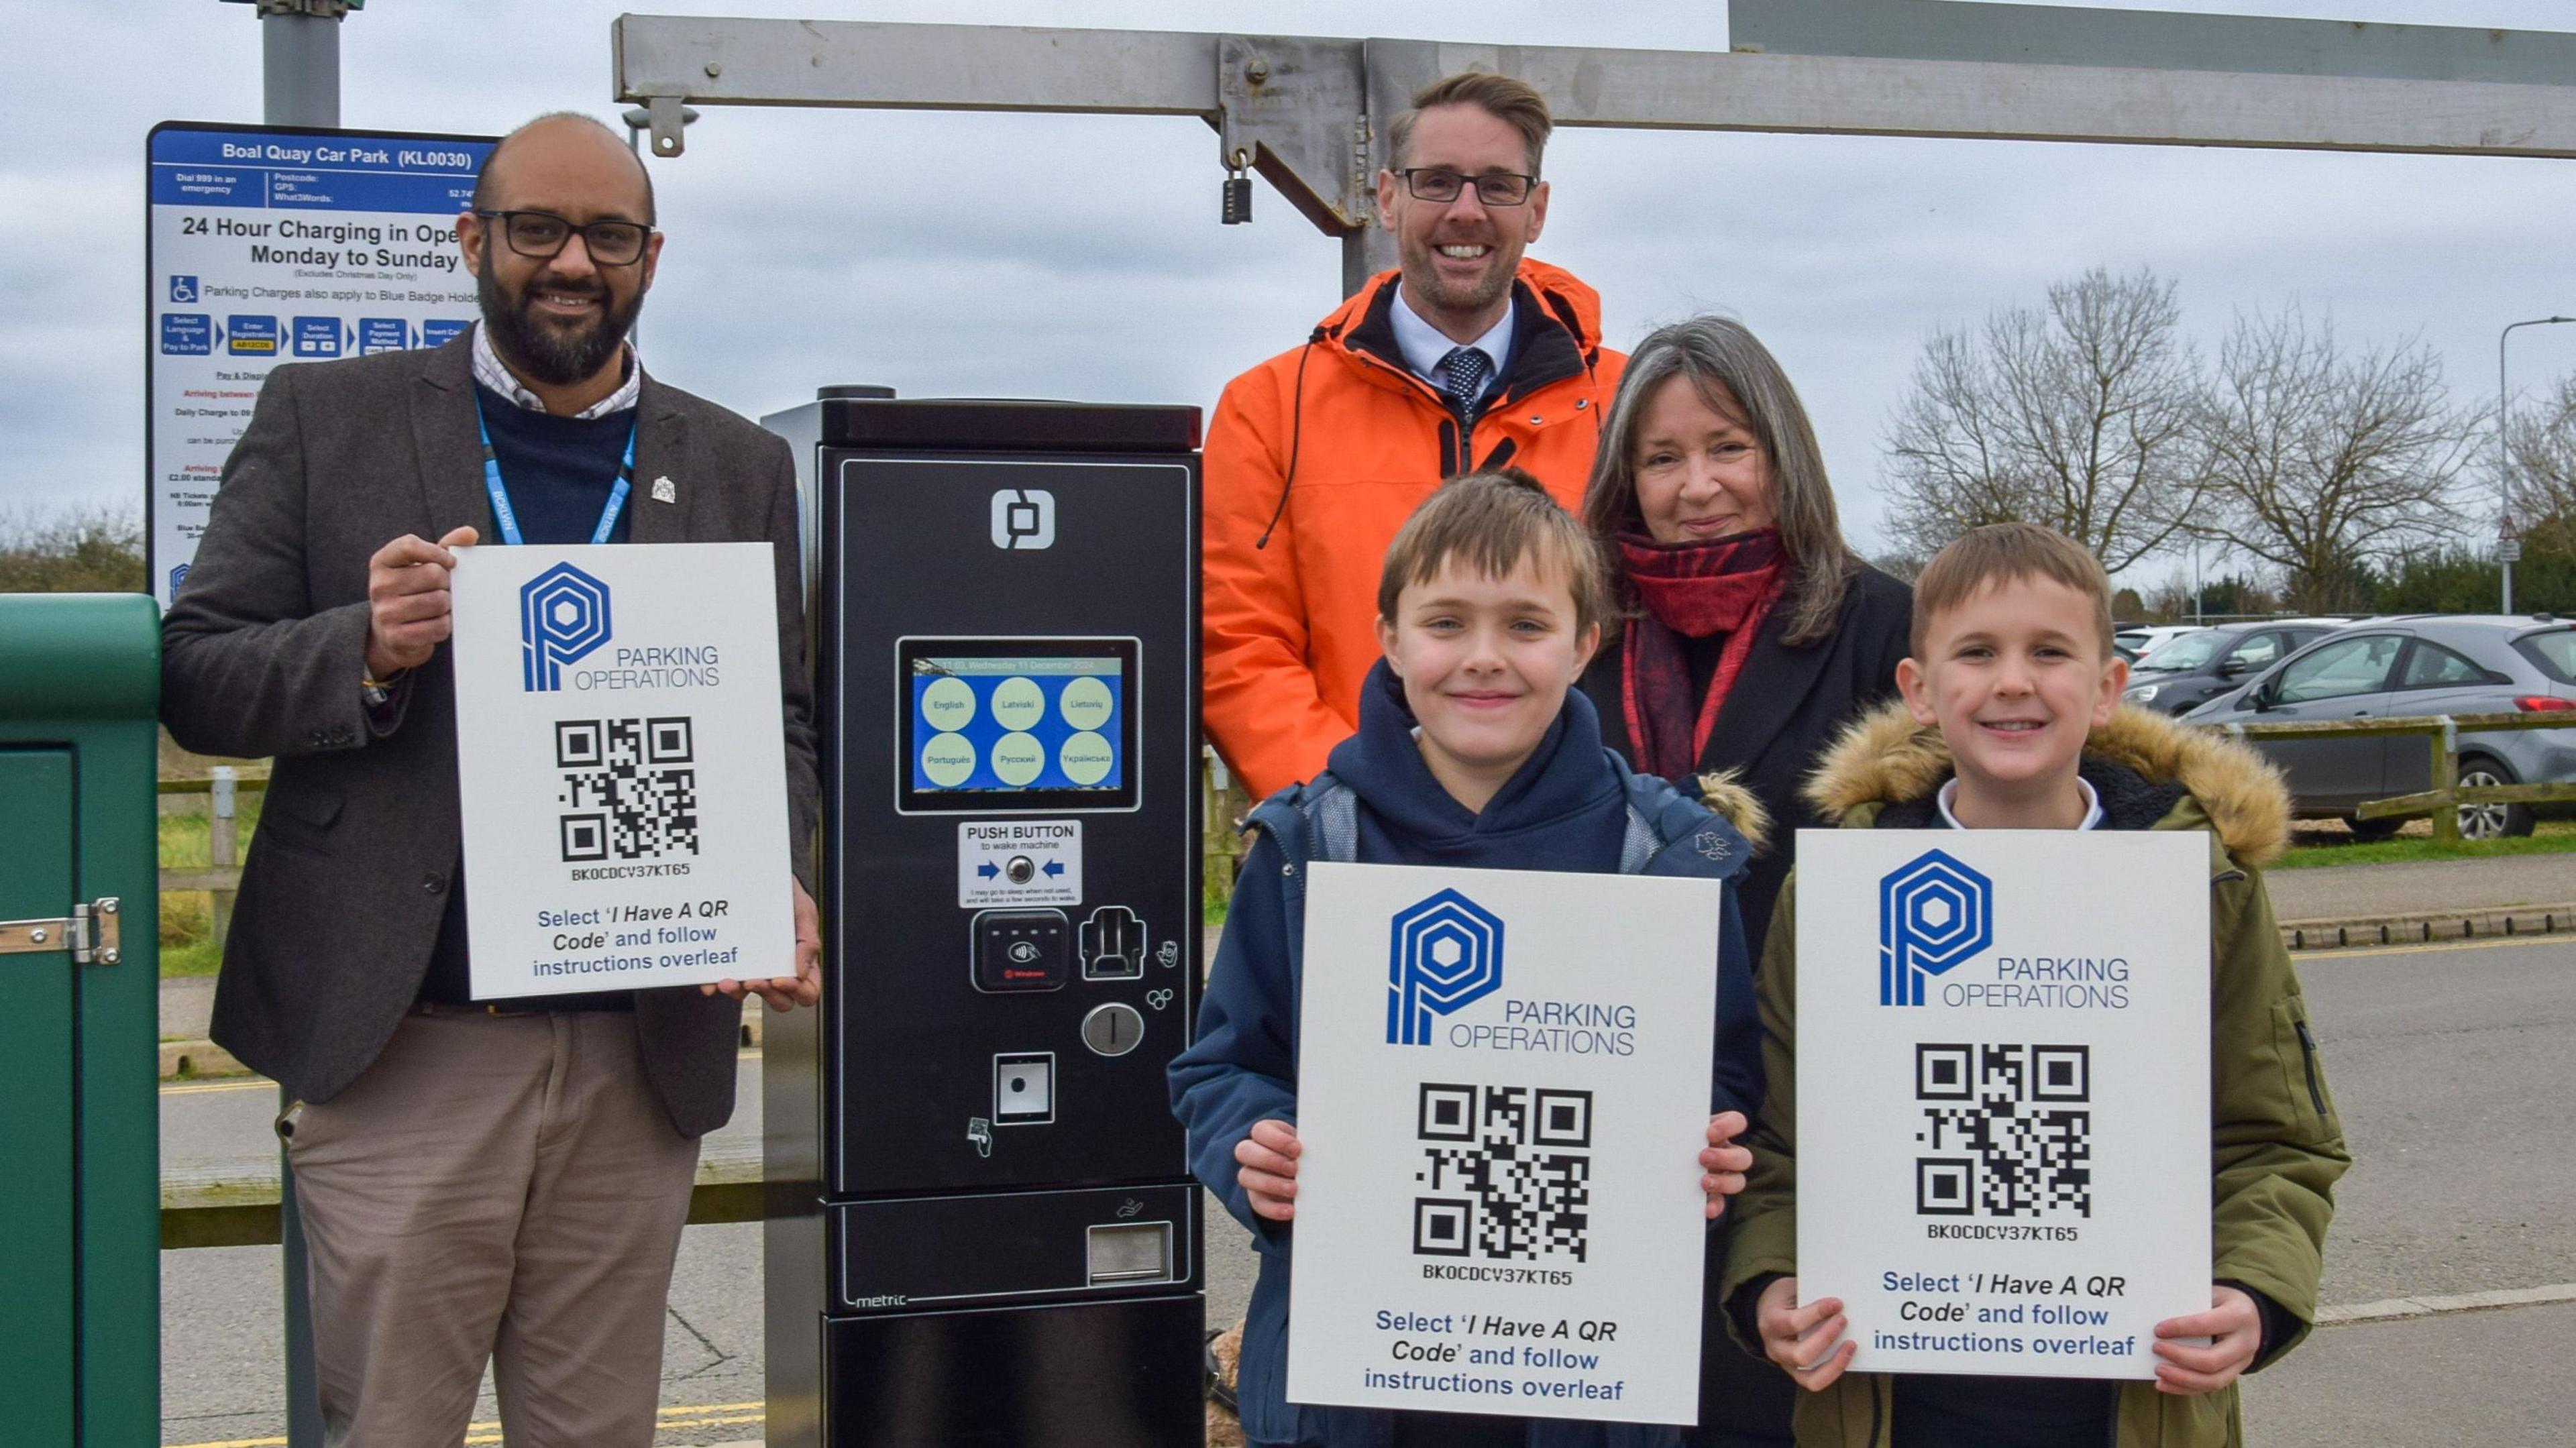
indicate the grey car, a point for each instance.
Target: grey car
{"x":2405,"y":667}
{"x":2194,"y":668}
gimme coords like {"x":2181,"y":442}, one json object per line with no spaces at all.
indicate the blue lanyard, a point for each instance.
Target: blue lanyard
{"x":509,"y":519}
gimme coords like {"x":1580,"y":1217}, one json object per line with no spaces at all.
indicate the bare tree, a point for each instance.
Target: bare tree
{"x":2544,"y":466}
{"x":2323,"y":463}
{"x":2077,"y":414}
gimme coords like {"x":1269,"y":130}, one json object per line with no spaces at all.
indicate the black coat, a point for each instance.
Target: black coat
{"x":1786,"y":708}
{"x":1787,"y":705}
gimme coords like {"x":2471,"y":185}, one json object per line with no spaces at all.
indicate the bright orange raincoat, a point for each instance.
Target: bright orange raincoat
{"x":1288,"y":630}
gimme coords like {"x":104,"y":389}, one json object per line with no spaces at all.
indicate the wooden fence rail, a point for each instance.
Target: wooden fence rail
{"x":1224,"y":805}
{"x":2443,"y":732}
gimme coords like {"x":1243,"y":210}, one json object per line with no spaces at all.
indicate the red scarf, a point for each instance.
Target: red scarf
{"x":1690,"y":590}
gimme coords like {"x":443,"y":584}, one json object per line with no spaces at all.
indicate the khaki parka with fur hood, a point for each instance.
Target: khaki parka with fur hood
{"x":2276,"y":1148}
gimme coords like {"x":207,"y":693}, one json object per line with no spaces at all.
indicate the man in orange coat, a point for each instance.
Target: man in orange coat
{"x":1467,"y":356}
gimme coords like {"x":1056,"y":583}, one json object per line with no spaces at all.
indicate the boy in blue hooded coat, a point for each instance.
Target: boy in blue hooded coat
{"x":1473,"y":750}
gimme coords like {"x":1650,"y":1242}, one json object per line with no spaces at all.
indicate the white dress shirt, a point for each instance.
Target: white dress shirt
{"x":2092,"y":804}
{"x":1423,"y":345}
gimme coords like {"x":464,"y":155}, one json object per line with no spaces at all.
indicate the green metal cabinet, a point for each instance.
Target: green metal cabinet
{"x":80,"y":677}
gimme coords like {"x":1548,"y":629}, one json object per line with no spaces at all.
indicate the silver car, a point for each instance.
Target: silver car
{"x":2404,"y":667}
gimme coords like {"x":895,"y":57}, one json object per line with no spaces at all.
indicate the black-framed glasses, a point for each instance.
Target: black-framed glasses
{"x":1494,"y":188}
{"x":541,"y":235}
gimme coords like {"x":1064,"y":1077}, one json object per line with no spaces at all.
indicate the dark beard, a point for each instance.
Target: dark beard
{"x":543,"y":353}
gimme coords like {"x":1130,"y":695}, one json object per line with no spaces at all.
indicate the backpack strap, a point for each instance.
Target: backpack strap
{"x":1332,"y":821}
{"x":1638,"y":843}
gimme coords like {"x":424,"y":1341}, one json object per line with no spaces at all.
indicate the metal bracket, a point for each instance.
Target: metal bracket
{"x":89,"y":933}
{"x":669,"y":119}
{"x":1295,"y":109}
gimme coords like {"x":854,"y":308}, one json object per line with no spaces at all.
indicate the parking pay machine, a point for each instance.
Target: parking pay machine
{"x":983,"y":1230}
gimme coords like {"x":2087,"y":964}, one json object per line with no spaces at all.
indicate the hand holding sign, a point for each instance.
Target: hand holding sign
{"x":1723,"y":1164}
{"x":1808,"y":1341}
{"x":2234,"y":1327}
{"x":1268,"y":1158}
{"x":787,"y":992}
{"x":408,"y":612}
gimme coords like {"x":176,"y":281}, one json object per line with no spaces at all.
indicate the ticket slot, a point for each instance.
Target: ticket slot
{"x":1000,"y":1248}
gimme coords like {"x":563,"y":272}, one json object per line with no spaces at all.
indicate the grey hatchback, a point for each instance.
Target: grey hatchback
{"x":2194,"y":668}
{"x":2403,"y":667}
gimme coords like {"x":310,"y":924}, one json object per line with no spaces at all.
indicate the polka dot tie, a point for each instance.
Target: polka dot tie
{"x":1462,"y":376}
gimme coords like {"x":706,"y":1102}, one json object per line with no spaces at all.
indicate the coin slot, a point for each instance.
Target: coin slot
{"x":1113,"y":1029}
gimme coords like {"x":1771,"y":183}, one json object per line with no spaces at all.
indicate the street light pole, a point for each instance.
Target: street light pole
{"x":2504,"y":456}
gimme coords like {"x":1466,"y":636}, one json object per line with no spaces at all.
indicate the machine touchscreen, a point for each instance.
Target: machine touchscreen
{"x":1017,"y":724}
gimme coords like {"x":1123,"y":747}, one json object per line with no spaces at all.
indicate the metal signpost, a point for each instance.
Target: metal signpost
{"x":2508,"y":549}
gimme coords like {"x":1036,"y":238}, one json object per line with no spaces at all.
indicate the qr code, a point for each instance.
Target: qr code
{"x":630,"y":788}
{"x":2016,"y":1123}
{"x":1508,"y":1170}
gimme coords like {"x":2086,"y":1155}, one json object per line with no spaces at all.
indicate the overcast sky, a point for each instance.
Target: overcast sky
{"x":1081,"y":257}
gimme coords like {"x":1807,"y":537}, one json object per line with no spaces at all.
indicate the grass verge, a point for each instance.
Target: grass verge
{"x":2319,"y":847}
{"x":188,"y":946}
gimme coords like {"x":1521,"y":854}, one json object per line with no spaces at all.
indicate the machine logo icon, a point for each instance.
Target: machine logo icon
{"x":1023,"y":519}
{"x":1933,"y":913}
{"x":1447,"y":952}
{"x":563,"y":616}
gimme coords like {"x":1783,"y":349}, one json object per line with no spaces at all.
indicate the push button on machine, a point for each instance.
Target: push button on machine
{"x":1021,"y":950}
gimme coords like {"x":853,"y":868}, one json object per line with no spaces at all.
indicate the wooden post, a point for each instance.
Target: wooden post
{"x":1221,"y":843}
{"x":2446,"y":780}
{"x":220,"y":851}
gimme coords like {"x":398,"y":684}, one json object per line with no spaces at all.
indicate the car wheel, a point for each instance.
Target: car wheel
{"x":2490,"y":821}
{"x":2376,"y":829}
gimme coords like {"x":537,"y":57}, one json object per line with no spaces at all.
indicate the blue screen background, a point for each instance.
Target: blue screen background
{"x":1051,"y":730}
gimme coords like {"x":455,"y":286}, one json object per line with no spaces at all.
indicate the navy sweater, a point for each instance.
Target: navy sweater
{"x":1568,"y":808}
{"x":559,"y":472}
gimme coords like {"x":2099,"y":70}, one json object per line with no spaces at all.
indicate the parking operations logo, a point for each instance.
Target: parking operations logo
{"x":1933,"y":913}
{"x":563,"y":616}
{"x":1447,"y":952}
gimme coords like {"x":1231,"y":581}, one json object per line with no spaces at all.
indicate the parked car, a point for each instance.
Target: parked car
{"x":2191,"y":670}
{"x":2413,"y":666}
{"x":2138,"y":640}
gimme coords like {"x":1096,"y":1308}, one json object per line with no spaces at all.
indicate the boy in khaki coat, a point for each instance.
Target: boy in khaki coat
{"x":2011,"y":719}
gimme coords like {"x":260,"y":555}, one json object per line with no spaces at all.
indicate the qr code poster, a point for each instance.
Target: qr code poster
{"x":2002,"y":1095}
{"x":622,"y":767}
{"x":1503,"y":1087}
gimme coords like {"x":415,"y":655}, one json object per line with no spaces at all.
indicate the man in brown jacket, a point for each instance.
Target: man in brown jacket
{"x":479,"y":1181}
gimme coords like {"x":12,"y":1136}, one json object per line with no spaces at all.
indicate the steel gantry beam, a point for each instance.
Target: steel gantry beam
{"x":1308,"y":112}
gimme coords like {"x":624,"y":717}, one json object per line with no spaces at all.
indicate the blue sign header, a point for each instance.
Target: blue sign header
{"x":313,"y":171}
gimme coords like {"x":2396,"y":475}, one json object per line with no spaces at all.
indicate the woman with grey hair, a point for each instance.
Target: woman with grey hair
{"x":1749,"y":635}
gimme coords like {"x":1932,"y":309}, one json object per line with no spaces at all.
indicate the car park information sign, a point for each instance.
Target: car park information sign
{"x":269,"y":245}
{"x":622,"y":767}
{"x":2003,"y":1094}
{"x":1503,"y":1087}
